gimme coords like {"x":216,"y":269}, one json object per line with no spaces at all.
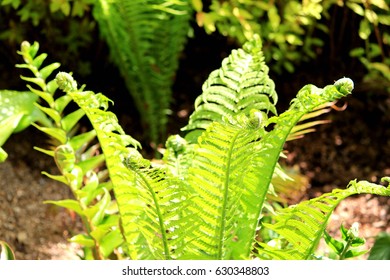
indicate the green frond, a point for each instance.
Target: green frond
{"x":76,"y":157}
{"x":145,"y":40}
{"x":149,"y":203}
{"x":308,"y":98}
{"x":241,"y":84}
{"x":302,"y":225}
{"x":159,"y":224}
{"x":227,"y":196}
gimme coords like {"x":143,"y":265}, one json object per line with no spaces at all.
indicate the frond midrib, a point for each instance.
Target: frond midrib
{"x":226,"y":196}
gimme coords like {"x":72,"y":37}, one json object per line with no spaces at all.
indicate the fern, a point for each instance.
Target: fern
{"x":149,"y":203}
{"x":232,"y":170}
{"x":206,"y":201}
{"x":77,"y":158}
{"x":145,"y":39}
{"x":227,"y":194}
{"x":17,"y":111}
{"x":303,"y":225}
{"x":241,"y":84}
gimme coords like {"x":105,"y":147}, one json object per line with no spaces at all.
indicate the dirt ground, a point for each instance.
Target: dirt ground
{"x":33,"y":229}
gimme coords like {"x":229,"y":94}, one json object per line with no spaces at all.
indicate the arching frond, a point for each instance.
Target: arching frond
{"x":302,"y":226}
{"x":150,"y":201}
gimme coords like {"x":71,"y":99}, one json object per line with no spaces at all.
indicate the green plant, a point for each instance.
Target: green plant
{"x":286,"y":27}
{"x":16,"y":113}
{"x":381,"y":248}
{"x":350,"y":238}
{"x":77,"y":158}
{"x":205,"y":200}
{"x":374,"y":54}
{"x":36,"y":12}
{"x":293,"y":31}
{"x":6,"y":253}
{"x":146,"y":39}
{"x":66,"y":26}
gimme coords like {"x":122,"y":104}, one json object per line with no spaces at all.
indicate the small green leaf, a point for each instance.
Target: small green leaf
{"x":80,"y":140}
{"x":50,"y":112}
{"x":91,"y":163}
{"x":197,"y":4}
{"x":59,"y":178}
{"x":75,"y":178}
{"x":37,"y":62}
{"x":96,"y":213}
{"x":51,"y":87}
{"x":274,"y":18}
{"x":47,"y":152}
{"x":356,"y":8}
{"x":83,"y":240}
{"x":358,"y":241}
{"x":344,"y":232}
{"x":70,"y":120}
{"x":110,"y":241}
{"x":42,"y":94}
{"x":364,"y":29}
{"x":334,"y":244}
{"x":3,"y":155}
{"x":357,"y":52}
{"x":61,"y":102}
{"x":354,"y":253}
{"x":56,"y":133}
{"x":70,"y":204}
{"x":38,"y":81}
{"x":101,"y":206}
{"x":47,"y":70}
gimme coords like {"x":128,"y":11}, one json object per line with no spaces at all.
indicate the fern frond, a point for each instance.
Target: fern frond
{"x":303,"y":225}
{"x":149,"y":202}
{"x":145,"y":40}
{"x":308,"y":98}
{"x":227,"y":196}
{"x":77,"y":158}
{"x":241,"y":84}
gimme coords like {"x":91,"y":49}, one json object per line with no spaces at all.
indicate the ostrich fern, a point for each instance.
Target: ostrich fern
{"x":206,"y":200}
{"x":145,"y":39}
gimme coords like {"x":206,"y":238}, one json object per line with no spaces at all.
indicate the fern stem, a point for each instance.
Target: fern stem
{"x":225,"y":198}
{"x":158,"y":212}
{"x":346,"y":248}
